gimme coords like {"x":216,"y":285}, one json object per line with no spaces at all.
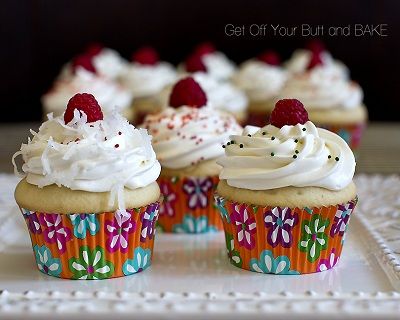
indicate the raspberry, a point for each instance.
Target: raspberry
{"x":204,"y":48}
{"x":146,"y":56}
{"x":195,"y":63}
{"x":288,"y":112}
{"x":187,"y":92}
{"x":315,"y":45}
{"x":270,"y":57}
{"x":315,"y":60}
{"x":83,"y":61}
{"x":83,"y":102}
{"x":93,"y":49}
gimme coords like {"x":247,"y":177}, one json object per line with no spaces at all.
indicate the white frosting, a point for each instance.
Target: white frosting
{"x":186,"y":136}
{"x":218,"y":65}
{"x":253,"y":166}
{"x":106,"y":155}
{"x":300,"y":60}
{"x":220,"y":95}
{"x":148,"y":80}
{"x":322,"y":88}
{"x":109,"y":94}
{"x":259,"y":80}
{"x":109,"y":63}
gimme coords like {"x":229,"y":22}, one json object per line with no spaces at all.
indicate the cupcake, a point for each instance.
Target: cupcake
{"x":89,"y":193}
{"x":261,"y":79}
{"x":107,"y":62}
{"x":286,"y":194}
{"x":145,"y":77}
{"x":221,"y":95}
{"x":188,"y":138}
{"x":85,"y":78}
{"x":205,"y":58}
{"x":333,"y":101}
{"x":301,"y":59}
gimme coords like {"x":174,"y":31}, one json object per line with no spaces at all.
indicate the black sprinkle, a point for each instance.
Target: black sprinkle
{"x":329,"y":156}
{"x":337,"y":158}
{"x":233,"y":142}
{"x":228,"y":143}
{"x":304,"y":129}
{"x":296,"y":140}
{"x":249,"y":135}
{"x":272,"y":154}
{"x":223,"y":146}
{"x":296,"y":151}
{"x":264,"y":133}
{"x":294,"y":156}
{"x":241,"y":145}
{"x":272,"y":138}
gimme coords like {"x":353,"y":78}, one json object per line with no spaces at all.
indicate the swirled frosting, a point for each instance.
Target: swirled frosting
{"x":185,"y":136}
{"x":301,"y":58}
{"x":109,"y":94}
{"x":102,"y":156}
{"x":148,"y":80}
{"x":221,"y":95}
{"x":260,"y":80}
{"x":322,"y":88}
{"x":299,"y":156}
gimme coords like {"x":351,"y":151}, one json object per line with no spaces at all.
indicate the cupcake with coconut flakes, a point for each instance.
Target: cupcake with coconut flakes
{"x":85,"y":78}
{"x":89,"y":194}
{"x":188,"y":138}
{"x":286,"y":194}
{"x":223,"y":96}
{"x":145,"y":77}
{"x":261,"y":79}
{"x":205,"y":58}
{"x":333,"y":100}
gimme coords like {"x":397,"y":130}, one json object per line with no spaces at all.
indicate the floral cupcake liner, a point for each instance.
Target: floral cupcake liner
{"x":92,"y":246}
{"x":188,"y":205}
{"x":284,"y":240}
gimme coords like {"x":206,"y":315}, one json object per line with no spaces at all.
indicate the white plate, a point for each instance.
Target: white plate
{"x":191,"y":275}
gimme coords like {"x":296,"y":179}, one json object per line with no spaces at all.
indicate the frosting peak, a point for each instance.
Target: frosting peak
{"x":298,"y":156}
{"x":101,"y":156}
{"x":185,"y":136}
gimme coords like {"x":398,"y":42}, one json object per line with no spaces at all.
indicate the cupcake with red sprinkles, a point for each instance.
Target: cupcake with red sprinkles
{"x":188,"y":137}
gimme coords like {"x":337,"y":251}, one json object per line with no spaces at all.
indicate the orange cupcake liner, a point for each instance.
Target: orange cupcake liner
{"x":93,"y":246}
{"x":283,"y":240}
{"x":188,"y":205}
